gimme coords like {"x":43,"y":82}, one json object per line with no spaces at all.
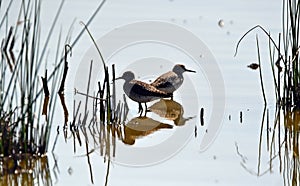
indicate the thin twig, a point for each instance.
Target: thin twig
{"x":253,"y":28}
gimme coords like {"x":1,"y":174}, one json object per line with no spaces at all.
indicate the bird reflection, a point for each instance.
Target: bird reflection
{"x":170,"y":110}
{"x":140,"y":127}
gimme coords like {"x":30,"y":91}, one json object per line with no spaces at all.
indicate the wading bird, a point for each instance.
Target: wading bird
{"x":139,"y":91}
{"x":172,"y":80}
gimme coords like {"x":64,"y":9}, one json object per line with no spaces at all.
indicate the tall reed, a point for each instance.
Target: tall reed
{"x":284,"y":56}
{"x":26,"y":114}
{"x":23,"y":130}
{"x":283,"y":136}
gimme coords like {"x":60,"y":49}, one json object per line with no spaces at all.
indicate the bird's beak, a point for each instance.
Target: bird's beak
{"x":116,"y":79}
{"x":119,"y":78}
{"x":187,"y":70}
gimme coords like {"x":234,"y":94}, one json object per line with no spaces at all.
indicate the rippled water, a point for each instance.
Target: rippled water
{"x":232,"y":158}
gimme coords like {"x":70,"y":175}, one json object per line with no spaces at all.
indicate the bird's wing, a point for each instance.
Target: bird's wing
{"x":164,"y":80}
{"x":146,"y":89}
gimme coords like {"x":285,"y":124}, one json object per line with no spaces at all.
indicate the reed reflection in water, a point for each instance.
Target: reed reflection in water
{"x":281,"y":139}
{"x":290,"y":144}
{"x":25,"y":170}
{"x":101,"y":137}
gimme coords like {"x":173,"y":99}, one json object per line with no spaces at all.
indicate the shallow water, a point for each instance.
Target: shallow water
{"x":232,"y":157}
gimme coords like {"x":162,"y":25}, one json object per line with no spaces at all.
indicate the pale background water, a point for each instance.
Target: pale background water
{"x":220,"y":164}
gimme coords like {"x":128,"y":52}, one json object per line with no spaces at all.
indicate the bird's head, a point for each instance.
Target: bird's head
{"x":127,"y":76}
{"x":179,"y":68}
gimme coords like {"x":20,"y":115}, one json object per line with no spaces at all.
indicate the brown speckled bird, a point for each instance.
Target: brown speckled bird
{"x":172,"y":80}
{"x":139,"y":91}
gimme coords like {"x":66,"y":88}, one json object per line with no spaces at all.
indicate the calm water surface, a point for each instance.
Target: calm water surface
{"x":232,"y":158}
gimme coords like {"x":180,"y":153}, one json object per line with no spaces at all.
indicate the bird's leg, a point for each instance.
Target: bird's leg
{"x":140,"y":108}
{"x":171,"y":96}
{"x":146,"y":109}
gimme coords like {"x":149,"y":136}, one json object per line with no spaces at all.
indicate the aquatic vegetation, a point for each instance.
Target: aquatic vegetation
{"x":282,"y":137}
{"x":284,"y":56}
{"x":23,"y":127}
{"x":29,"y":87}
